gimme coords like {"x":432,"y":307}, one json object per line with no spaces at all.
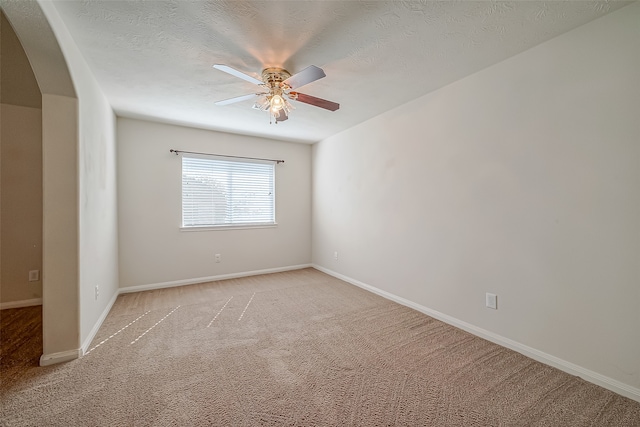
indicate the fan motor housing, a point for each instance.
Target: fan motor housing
{"x":274,"y":76}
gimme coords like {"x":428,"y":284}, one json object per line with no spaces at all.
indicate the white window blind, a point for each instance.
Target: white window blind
{"x":223,"y":192}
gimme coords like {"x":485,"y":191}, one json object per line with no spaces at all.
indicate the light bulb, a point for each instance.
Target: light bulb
{"x":277,"y":103}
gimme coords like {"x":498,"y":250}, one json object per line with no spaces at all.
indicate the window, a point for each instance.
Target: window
{"x":226,"y":192}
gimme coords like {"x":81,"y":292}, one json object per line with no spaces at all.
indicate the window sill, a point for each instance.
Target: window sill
{"x":228,"y":227}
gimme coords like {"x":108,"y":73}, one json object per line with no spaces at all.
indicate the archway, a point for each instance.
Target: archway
{"x":60,"y":307}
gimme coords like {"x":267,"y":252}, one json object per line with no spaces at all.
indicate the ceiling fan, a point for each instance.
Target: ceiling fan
{"x":280,"y":87}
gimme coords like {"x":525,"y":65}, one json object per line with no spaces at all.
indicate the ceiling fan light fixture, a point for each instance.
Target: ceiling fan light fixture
{"x":277,"y":103}
{"x":278,"y":84}
{"x":288,"y":106}
{"x":262,"y":104}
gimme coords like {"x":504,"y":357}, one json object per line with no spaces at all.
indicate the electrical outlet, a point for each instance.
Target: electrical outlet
{"x":218,"y":258}
{"x":335,"y":255}
{"x":34,"y":275}
{"x":492,"y":301}
{"x":97,"y":292}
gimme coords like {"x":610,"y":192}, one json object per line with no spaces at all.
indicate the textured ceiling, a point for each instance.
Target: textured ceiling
{"x":154,"y":59}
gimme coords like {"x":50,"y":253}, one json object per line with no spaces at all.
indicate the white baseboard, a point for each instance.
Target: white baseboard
{"x":196,"y":280}
{"x":20,"y":304}
{"x":568,"y":367}
{"x":96,"y":327}
{"x":63,"y":356}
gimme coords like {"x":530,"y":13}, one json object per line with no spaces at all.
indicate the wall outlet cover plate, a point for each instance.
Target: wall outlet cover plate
{"x":492,"y":301}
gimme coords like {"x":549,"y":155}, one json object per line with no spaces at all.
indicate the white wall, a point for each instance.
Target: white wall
{"x":522,"y":180}
{"x":96,"y":191}
{"x":21,"y":167}
{"x":153,"y":249}
{"x":60,"y":317}
{"x":19,"y":85}
{"x":21,"y":190}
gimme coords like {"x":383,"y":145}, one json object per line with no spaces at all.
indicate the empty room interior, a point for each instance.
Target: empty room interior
{"x":320,"y":213}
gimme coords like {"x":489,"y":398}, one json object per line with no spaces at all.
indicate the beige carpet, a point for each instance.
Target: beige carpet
{"x":295,"y":349}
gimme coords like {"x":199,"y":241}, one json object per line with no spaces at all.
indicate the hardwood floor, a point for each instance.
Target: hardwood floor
{"x":20,"y":337}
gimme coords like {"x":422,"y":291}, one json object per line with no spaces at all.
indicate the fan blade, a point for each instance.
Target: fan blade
{"x":282,"y":116}
{"x":237,"y":73}
{"x":318,"y":102}
{"x":236,"y":99}
{"x":306,"y":76}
